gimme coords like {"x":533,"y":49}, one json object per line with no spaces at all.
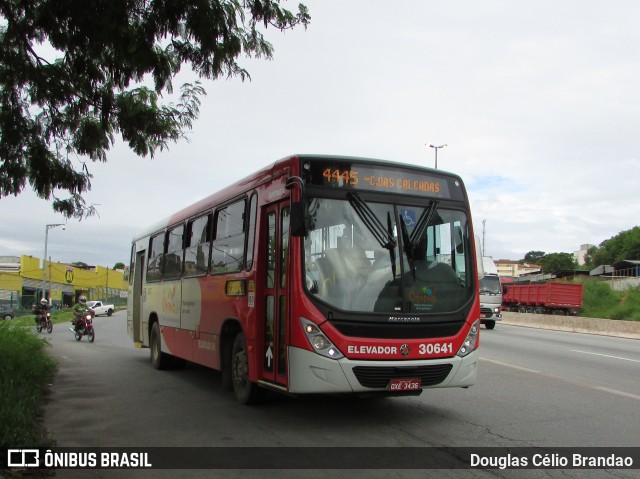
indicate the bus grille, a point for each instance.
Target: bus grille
{"x":379,"y":377}
{"x":397,"y":331}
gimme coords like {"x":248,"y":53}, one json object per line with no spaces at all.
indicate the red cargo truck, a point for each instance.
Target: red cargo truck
{"x":543,"y":298}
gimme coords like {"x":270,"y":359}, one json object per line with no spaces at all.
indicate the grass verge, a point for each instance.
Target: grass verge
{"x":26,"y":371}
{"x":600,"y":301}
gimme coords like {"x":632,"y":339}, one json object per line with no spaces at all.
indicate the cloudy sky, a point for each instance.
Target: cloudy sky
{"x":537,"y":101}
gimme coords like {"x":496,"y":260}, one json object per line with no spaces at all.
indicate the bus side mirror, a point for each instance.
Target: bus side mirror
{"x":299,"y":221}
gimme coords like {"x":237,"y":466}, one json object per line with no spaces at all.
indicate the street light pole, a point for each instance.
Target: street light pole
{"x":44,"y":259}
{"x":436,"y":147}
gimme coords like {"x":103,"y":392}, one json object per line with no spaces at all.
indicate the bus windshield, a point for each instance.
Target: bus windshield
{"x":388,"y":258}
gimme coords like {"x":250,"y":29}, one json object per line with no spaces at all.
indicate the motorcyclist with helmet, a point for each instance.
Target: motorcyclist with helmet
{"x":40,"y":309}
{"x":78,"y":310}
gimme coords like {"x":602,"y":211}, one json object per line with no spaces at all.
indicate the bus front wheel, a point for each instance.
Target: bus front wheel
{"x":245,"y":391}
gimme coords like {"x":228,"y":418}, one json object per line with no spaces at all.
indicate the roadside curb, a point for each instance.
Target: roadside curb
{"x":576,"y":324}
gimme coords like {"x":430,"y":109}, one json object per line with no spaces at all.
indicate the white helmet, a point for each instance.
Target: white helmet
{"x":82,"y":299}
{"x":43,"y":301}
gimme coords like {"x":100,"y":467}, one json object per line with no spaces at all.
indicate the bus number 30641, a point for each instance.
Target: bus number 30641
{"x":436,"y":348}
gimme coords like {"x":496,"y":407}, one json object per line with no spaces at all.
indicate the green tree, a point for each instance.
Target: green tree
{"x":589,"y":258}
{"x":118,"y":266}
{"x":73,"y":76}
{"x":624,"y":246}
{"x":533,"y":257}
{"x":557,"y":262}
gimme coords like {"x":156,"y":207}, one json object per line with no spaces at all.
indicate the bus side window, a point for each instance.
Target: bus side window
{"x":227,"y":253}
{"x":156,"y":255}
{"x":271,"y":251}
{"x":132,"y":264}
{"x":173,"y":255}
{"x":251,"y":230}
{"x":197,"y":246}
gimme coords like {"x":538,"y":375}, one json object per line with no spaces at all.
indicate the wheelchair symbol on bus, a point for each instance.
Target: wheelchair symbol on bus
{"x":408,"y":216}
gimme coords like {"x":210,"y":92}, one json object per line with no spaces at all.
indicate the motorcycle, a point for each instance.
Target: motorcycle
{"x":43,"y":321}
{"x":84,"y":327}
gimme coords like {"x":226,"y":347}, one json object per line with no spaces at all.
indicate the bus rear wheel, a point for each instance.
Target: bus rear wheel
{"x":245,"y":391}
{"x":159,"y":360}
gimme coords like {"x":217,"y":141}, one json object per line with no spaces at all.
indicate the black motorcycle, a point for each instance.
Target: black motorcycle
{"x":43,"y":321}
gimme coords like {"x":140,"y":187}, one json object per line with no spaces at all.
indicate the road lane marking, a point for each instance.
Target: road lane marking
{"x":605,"y":355}
{"x":569,"y":380}
{"x":510,"y":365}
{"x":616,"y":392}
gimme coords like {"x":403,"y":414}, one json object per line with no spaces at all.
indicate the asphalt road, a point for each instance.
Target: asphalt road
{"x":536,"y":388}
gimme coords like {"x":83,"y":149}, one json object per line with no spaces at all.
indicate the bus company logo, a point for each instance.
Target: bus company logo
{"x":169,"y":301}
{"x":23,"y":458}
{"x":69,"y":275}
{"x":424,"y":295}
{"x":405,"y":350}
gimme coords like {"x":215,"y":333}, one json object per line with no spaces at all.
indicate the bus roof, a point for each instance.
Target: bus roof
{"x":272,"y":170}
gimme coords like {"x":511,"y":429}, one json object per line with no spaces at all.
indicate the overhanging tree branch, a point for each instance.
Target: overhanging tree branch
{"x":57,"y":113}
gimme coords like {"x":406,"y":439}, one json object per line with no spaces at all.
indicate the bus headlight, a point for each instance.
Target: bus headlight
{"x":319,"y":342}
{"x":471,"y":340}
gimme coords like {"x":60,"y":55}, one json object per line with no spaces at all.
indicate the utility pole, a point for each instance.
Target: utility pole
{"x":44,"y":260}
{"x":484,"y":222}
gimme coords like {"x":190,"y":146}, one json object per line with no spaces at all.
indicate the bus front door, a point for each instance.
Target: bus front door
{"x":274,"y":354}
{"x":136,"y":313}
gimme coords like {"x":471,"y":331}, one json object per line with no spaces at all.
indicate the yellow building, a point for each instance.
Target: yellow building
{"x":22,"y":281}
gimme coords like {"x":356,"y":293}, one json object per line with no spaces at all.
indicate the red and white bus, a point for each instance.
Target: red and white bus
{"x":317,"y":274}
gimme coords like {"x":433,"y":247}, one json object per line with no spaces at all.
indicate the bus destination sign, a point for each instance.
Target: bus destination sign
{"x":355,"y":176}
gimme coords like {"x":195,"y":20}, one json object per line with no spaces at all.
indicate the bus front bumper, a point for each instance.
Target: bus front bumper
{"x":310,"y":373}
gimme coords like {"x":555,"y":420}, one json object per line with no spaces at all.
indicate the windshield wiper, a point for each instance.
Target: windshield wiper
{"x":392,"y":251}
{"x":383,"y":236}
{"x":422,"y":223}
{"x":409,"y":242}
{"x":408,"y":246}
{"x":371,"y":221}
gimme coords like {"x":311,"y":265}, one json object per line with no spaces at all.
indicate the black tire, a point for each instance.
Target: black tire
{"x":226,"y":381}
{"x":110,"y":312}
{"x":39,"y":326}
{"x":7,"y":317}
{"x":490,"y":324}
{"x":92,"y":334}
{"x":159,"y":360}
{"x":49,"y":327}
{"x":78,"y":336}
{"x":245,"y":391}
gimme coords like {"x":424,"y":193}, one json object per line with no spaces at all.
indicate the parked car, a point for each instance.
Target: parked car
{"x":6,"y":313}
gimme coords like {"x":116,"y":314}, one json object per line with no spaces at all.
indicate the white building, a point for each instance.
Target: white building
{"x":581,"y":253}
